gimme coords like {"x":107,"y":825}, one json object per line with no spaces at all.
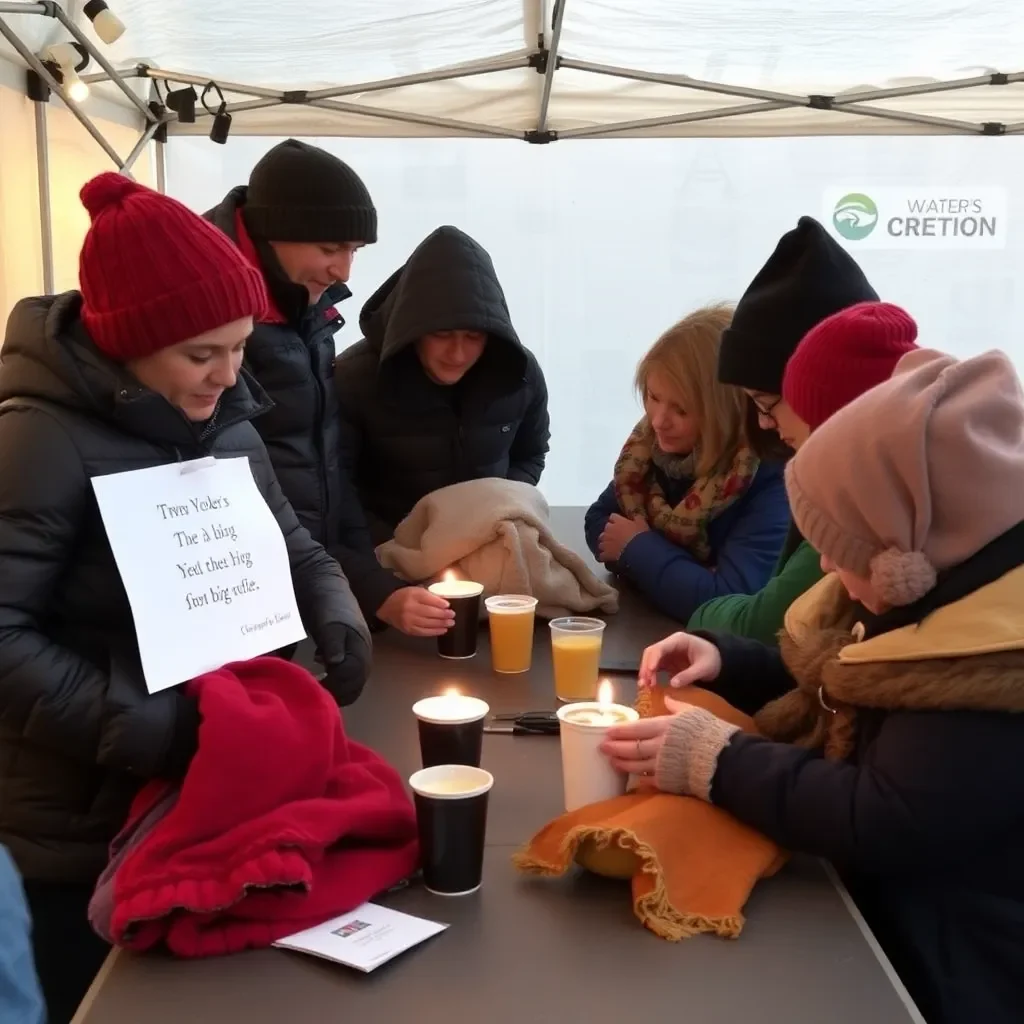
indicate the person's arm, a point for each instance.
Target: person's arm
{"x":760,"y":616}
{"x":330,"y":613}
{"x":752,"y":673}
{"x":677,"y":584}
{"x":532,"y":441}
{"x":597,"y":516}
{"x":49,"y":694}
{"x":940,"y":786}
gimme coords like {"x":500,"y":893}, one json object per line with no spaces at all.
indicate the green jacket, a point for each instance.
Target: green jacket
{"x":760,"y":616}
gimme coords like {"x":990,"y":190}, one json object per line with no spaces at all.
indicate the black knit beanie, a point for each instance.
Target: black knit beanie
{"x":300,"y":193}
{"x":808,"y":278}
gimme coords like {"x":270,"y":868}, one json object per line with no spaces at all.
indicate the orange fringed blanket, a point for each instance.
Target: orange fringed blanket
{"x":692,"y":866}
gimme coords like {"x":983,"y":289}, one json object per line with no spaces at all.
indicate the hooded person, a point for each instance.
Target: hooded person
{"x":845,"y":355}
{"x":440,"y":389}
{"x":140,"y":368}
{"x":807,"y":279}
{"x":891,"y":714}
{"x":299,"y":223}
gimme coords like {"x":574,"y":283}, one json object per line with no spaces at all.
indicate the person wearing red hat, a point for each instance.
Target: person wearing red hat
{"x":839,"y":359}
{"x":140,"y":368}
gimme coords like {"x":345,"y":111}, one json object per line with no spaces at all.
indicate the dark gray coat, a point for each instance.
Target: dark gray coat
{"x":78,"y":731}
{"x":407,"y":436}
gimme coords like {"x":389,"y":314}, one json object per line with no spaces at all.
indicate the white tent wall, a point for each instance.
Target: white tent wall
{"x":74,"y":158}
{"x":600,"y":246}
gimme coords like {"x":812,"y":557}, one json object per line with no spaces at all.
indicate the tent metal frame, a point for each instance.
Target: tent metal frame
{"x":545,"y":59}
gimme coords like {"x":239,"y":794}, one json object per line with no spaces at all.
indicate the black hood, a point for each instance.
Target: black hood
{"x":49,"y":356}
{"x":290,"y":298}
{"x":448,"y":284}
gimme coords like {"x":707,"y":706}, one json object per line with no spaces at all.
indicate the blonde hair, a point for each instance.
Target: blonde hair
{"x":686,"y":356}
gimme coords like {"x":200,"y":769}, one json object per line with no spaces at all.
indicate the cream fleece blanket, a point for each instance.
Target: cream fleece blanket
{"x":495,"y":532}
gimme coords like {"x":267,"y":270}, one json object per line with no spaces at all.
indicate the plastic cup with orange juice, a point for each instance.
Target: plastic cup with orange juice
{"x":576,"y":654}
{"x":511,"y":620}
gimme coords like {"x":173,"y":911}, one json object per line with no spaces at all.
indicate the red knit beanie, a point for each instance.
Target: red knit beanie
{"x":845,"y":355}
{"x":153,"y":273}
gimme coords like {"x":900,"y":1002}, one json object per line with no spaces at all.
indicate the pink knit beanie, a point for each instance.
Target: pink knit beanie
{"x":916,"y":475}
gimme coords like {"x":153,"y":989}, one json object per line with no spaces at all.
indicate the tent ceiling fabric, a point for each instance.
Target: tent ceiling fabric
{"x":788,"y":47}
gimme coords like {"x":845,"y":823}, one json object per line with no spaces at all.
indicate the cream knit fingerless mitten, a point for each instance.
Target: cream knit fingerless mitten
{"x":689,"y":755}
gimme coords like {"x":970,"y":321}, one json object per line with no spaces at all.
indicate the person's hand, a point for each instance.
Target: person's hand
{"x":617,"y":533}
{"x":633,"y":748}
{"x":689,"y":659}
{"x":418,"y":612}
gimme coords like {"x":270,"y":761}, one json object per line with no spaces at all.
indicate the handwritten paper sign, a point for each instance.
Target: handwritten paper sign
{"x":204,"y":564}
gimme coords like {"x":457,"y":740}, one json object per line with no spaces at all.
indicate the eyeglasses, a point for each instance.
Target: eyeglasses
{"x":768,"y":411}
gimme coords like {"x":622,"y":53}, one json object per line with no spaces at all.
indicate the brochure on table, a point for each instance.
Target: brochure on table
{"x":204,"y":563}
{"x":369,"y":936}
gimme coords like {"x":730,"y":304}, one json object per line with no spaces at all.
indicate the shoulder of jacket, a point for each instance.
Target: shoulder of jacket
{"x":355,"y":367}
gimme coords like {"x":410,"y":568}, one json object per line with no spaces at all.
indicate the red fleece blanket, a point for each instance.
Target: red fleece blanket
{"x":281,"y":823}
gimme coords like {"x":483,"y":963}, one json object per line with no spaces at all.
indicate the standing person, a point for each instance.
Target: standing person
{"x":891,"y":716}
{"x":299,"y":222}
{"x":806,"y":279}
{"x":693,"y":509}
{"x":141,"y":368}
{"x":845,"y":355}
{"x":21,"y":1002}
{"x":440,"y":389}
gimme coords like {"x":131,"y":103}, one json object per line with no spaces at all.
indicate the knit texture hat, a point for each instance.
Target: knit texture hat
{"x":847,"y":354}
{"x":153,"y":273}
{"x":808,"y":278}
{"x":300,"y":193}
{"x":917,"y":474}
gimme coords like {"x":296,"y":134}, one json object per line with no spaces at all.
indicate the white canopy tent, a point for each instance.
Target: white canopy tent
{"x":535,"y":70}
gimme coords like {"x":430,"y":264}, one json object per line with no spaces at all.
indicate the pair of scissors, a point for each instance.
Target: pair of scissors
{"x":526,"y":723}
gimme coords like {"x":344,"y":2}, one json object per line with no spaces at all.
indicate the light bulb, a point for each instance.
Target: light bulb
{"x":107,"y":24}
{"x":76,"y":88}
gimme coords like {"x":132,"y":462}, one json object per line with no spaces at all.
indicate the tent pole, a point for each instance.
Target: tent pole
{"x":719,"y":113}
{"x":37,"y":66}
{"x":508,"y":63}
{"x":45,"y":213}
{"x":903,"y":115}
{"x":468,"y":127}
{"x":9,"y":8}
{"x":234,"y":108}
{"x":137,"y":150}
{"x":244,"y":90}
{"x":551,"y":66}
{"x":870,"y":95}
{"x":161,"y":167}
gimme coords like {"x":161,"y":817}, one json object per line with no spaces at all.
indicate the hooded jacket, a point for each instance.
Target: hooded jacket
{"x":407,"y":436}
{"x":78,"y":730}
{"x":901,"y":764}
{"x":291,"y":353}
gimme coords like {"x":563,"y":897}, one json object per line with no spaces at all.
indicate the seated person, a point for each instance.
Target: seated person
{"x":844,"y":356}
{"x":693,"y":512}
{"x":440,"y":389}
{"x":890,"y":715}
{"x":808,"y":278}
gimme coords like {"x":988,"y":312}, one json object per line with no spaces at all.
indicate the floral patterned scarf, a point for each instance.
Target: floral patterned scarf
{"x":640,"y":494}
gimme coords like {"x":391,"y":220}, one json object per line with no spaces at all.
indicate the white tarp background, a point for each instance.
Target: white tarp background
{"x":600,"y":246}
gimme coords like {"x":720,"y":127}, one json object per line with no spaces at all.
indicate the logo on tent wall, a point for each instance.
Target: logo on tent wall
{"x":927,"y":218}
{"x":855,"y":216}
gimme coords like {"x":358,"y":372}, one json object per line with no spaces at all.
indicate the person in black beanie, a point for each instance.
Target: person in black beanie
{"x":300,"y":222}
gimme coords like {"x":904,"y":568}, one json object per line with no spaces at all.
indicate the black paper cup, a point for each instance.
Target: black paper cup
{"x":451,"y":729}
{"x":451,"y":815}
{"x":464,"y":597}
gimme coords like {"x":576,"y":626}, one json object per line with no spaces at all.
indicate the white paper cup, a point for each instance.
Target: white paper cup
{"x":587,"y":775}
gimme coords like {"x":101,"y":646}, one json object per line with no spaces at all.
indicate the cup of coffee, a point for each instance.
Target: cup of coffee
{"x":451,"y":816}
{"x":576,"y":656}
{"x":464,"y":598}
{"x":510,"y":617}
{"x":451,"y":729}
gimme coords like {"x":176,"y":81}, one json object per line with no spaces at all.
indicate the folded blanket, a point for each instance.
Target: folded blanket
{"x":496,"y":532}
{"x":280,"y":824}
{"x":692,"y":866}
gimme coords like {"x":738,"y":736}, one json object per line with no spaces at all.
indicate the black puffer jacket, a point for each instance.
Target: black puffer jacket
{"x":407,"y":436}
{"x":291,"y":353}
{"x":78,"y":731}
